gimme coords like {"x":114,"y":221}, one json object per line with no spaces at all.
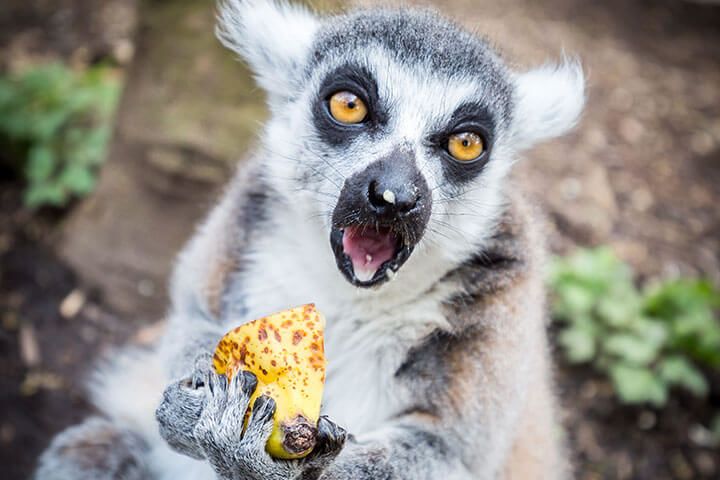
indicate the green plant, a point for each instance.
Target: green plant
{"x":56,"y":124}
{"x":646,"y":340}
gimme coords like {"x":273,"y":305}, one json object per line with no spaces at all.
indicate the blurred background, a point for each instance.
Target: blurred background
{"x":120,"y":120}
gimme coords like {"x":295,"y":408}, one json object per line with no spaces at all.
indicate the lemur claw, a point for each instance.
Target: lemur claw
{"x":331,"y":437}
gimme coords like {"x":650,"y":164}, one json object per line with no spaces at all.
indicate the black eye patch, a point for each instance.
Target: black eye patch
{"x":469,"y":117}
{"x":357,"y":80}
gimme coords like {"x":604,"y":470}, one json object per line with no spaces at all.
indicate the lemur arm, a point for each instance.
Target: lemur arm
{"x":202,"y":277}
{"x":407,"y":449}
{"x":186,"y":342}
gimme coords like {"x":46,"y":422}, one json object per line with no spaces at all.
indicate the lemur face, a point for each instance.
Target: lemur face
{"x":405,"y":110}
{"x":395,"y":128}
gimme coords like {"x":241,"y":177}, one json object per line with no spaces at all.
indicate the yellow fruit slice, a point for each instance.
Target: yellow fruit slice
{"x":286,"y":353}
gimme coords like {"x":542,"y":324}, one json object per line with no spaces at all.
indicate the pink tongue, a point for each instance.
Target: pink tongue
{"x":368,"y":249}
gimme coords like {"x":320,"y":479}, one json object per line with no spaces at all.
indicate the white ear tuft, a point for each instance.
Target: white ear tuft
{"x":273,"y":36}
{"x":549,"y":101}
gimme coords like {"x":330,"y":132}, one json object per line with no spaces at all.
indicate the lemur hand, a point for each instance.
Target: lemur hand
{"x":203,"y":417}
{"x":181,"y":407}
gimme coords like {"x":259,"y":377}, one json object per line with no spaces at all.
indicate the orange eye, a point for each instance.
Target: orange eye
{"x":465,"y":146}
{"x":346,"y":107}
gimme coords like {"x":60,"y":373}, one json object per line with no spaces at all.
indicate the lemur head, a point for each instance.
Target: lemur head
{"x":394,"y":128}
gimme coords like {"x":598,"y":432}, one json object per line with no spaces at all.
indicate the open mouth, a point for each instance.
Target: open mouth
{"x":369,"y":255}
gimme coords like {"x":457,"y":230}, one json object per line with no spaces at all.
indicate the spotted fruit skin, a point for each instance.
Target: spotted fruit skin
{"x":286,"y":353}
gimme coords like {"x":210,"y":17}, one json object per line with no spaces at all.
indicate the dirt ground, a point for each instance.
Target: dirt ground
{"x":641,"y":173}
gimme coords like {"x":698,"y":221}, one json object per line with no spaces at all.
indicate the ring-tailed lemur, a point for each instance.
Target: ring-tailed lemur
{"x":378,"y":192}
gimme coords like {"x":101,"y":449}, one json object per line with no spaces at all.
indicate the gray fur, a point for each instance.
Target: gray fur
{"x":94,"y":450}
{"x":442,"y":371}
{"x":203,"y":417}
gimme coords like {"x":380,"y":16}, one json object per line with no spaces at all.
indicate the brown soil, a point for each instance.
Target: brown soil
{"x":641,"y":173}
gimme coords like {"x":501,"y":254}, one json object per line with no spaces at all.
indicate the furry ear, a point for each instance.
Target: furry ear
{"x":548,"y":102}
{"x":273,"y":36}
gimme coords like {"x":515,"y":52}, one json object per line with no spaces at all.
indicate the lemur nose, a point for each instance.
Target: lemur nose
{"x":388,"y":197}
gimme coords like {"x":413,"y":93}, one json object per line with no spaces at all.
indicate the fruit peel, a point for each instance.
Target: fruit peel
{"x":286,"y":353}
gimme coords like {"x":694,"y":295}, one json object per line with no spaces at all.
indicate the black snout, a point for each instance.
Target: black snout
{"x":391,"y":192}
{"x":392,"y":198}
{"x":380,"y":216}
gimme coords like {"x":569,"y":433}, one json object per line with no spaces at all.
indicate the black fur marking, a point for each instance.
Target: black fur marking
{"x":359,"y":81}
{"x":419,"y":38}
{"x":256,"y":193}
{"x":487,"y":272}
{"x":497,"y":267}
{"x":417,"y":438}
{"x":424,"y":366}
{"x":470,"y":117}
{"x":254,"y":206}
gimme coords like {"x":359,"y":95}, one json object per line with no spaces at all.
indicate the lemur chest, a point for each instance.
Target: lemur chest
{"x":361,"y":390}
{"x":367,"y":338}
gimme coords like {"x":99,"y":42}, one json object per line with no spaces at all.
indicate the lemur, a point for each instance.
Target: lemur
{"x":378,"y":190}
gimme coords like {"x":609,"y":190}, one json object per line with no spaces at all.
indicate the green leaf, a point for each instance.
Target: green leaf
{"x":646,"y":341}
{"x":631,"y":349}
{"x":668,"y":299}
{"x":620,"y":309}
{"x":58,"y":120}
{"x":651,"y":330}
{"x":676,"y":370}
{"x":44,"y":194}
{"x":579,"y":345}
{"x":77,"y":179}
{"x":576,"y":299}
{"x":637,"y":385}
{"x":41,"y":163}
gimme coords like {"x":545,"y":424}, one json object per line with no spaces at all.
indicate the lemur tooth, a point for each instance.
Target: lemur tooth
{"x":389,"y":196}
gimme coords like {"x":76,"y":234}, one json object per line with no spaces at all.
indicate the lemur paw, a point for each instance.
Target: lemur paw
{"x":235,"y":454}
{"x":182,"y":405}
{"x":203,"y":417}
{"x":219,"y":431}
{"x":331,"y":438}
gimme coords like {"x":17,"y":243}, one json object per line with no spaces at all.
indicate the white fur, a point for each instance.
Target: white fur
{"x":456,"y":229}
{"x":290,"y":261}
{"x":549,"y":100}
{"x":128,"y":386}
{"x":272,"y":36}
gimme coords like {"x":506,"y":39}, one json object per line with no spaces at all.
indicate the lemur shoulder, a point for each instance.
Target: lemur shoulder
{"x":378,"y":191}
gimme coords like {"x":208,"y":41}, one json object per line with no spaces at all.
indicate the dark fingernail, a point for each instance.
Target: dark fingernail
{"x":248,"y":382}
{"x":218,"y":383}
{"x":196,"y":382}
{"x":206,"y":380}
{"x":264,"y":406}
